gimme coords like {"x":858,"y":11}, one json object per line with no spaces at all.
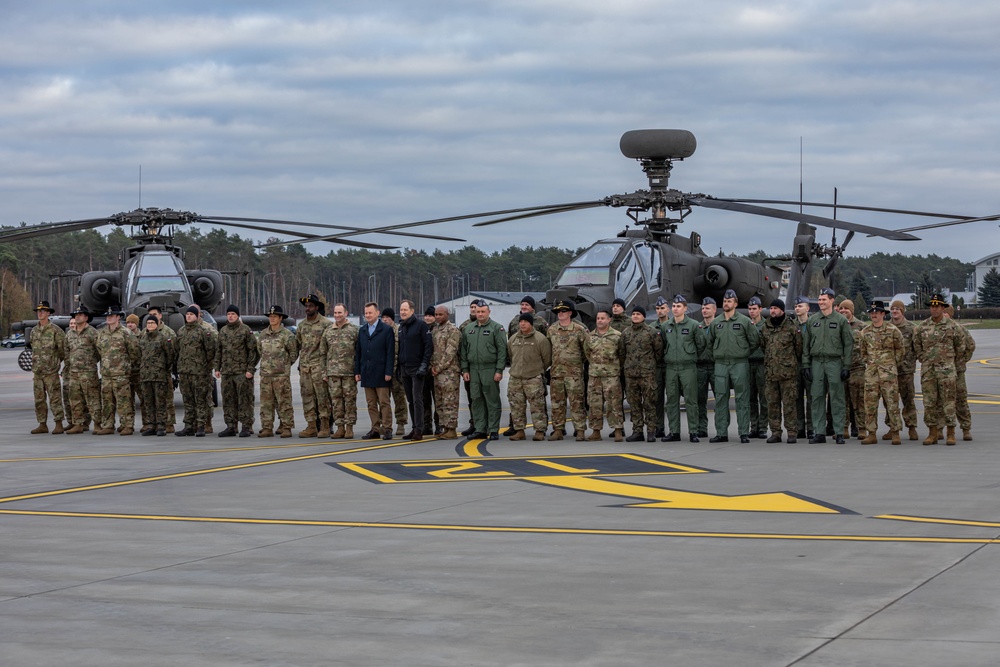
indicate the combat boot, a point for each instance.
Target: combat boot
{"x":285,"y":431}
{"x":650,"y":435}
{"x":349,"y":431}
{"x":871,"y":438}
{"x":86,"y":426}
{"x":400,"y":429}
{"x":539,"y":435}
{"x":557,"y":434}
{"x":309,"y":431}
{"x":74,"y":429}
{"x":265,"y":432}
{"x":246,"y":432}
{"x":635,"y":437}
{"x":228,"y":432}
{"x":324,"y":428}
{"x":41,"y":428}
{"x":861,"y":434}
{"x":775,"y":438}
{"x":951,"y":436}
{"x":595,"y":435}
{"x":59,"y":428}
{"x":127,"y":430}
{"x":518,"y":435}
{"x":170,"y":428}
{"x":580,"y":434}
{"x":619,"y":435}
{"x":448,"y":434}
{"x":932,"y":436}
{"x":888,"y":436}
{"x":913,"y":433}
{"x":469,"y":431}
{"x":103,"y":431}
{"x":207,"y":427}
{"x":895,"y":438}
{"x":340,"y":432}
{"x":967,"y":434}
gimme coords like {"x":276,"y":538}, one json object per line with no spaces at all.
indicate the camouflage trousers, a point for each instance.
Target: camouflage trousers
{"x":116,"y":395}
{"x":48,"y":385}
{"x":343,"y":390}
{"x":446,"y":393}
{"x":276,"y":396}
{"x":884,"y":386}
{"x":193,"y":394}
{"x":661,"y":388}
{"x":155,"y":396}
{"x":604,"y":395}
{"x":641,"y":394}
{"x":803,"y":406}
{"x":315,"y":395}
{"x":732,"y":375}
{"x":781,"y":402}
{"x":84,"y":398}
{"x":571,"y":389}
{"x":938,"y":384}
{"x":399,"y":408}
{"x":237,"y":399}
{"x":857,"y":404}
{"x":524,"y":394}
{"x":135,"y":386}
{"x":906,"y":395}
{"x":706,"y":381}
{"x":962,"y":412}
{"x":758,"y":397}
{"x":682,"y":380}
{"x":207,"y":405}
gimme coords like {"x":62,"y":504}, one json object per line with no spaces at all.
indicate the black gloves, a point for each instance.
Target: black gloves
{"x":844,"y":374}
{"x":422,"y":370}
{"x":807,"y":374}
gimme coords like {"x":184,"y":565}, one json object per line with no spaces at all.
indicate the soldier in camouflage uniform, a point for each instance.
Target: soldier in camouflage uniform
{"x":431,"y":424}
{"x":156,"y":360}
{"x":540,"y":325}
{"x":939,"y":343}
{"x":643,"y":346}
{"x":119,"y":350}
{"x":132,"y":324}
{"x":566,"y":376}
{"x":856,"y":382}
{"x":48,"y":349}
{"x":662,"y":321}
{"x":733,"y":338}
{"x":758,"y":394}
{"x":962,"y":412}
{"x":907,"y":368}
{"x":880,"y":346}
{"x":235,"y":365}
{"x":781,"y":339}
{"x":171,"y":334}
{"x":196,"y":350}
{"x":80,"y":372}
{"x":706,"y":365}
{"x":337,"y":349}
{"x":530,"y":353}
{"x":446,"y":371}
{"x":207,"y":402}
{"x":312,"y":363}
{"x":619,"y":320}
{"x":400,"y":409}
{"x":278,"y":350}
{"x":683,"y":343}
{"x":605,"y":353}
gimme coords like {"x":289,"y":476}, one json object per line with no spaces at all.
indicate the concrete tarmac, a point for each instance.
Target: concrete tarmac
{"x":208,"y":551}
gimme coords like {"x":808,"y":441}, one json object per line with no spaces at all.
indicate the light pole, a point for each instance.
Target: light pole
{"x":436,"y":301}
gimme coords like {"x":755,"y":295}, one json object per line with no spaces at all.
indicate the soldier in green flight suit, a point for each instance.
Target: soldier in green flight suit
{"x":706,"y":365}
{"x":662,"y":319}
{"x":733,"y":338}
{"x":483,"y":356}
{"x":827,"y":346}
{"x":758,"y":395}
{"x":683,"y":343}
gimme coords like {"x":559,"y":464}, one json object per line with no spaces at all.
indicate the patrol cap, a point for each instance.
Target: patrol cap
{"x":660,"y":301}
{"x":233,"y":308}
{"x":709,"y":301}
{"x":528,"y":299}
{"x":938,"y":300}
{"x":754,"y":301}
{"x":275,"y":310}
{"x":730,"y":294}
{"x":526,"y":317}
{"x":388,"y":312}
{"x":620,"y":302}
{"x":680,"y":298}
{"x":639,"y":309}
{"x":312,"y":298}
{"x":82,"y":310}
{"x":878,"y":307}
{"x":563,"y":307}
{"x":44,"y":305}
{"x":801,"y":299}
{"x":778,"y":303}
{"x":826,"y":291}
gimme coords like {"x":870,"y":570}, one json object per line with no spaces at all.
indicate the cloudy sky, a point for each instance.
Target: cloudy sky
{"x":376,"y":113}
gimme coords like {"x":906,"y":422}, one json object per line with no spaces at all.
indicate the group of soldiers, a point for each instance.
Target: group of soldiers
{"x":820,"y":373}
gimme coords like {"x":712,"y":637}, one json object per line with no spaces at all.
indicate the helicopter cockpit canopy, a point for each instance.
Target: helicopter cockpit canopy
{"x":157,"y":271}
{"x":631,"y":266}
{"x":592,"y":266}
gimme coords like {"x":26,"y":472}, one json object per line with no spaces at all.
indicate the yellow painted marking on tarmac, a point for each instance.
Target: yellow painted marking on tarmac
{"x":513,"y":529}
{"x":471,"y":448}
{"x":928,"y":519}
{"x":205,"y":471}
{"x":459,"y":469}
{"x":676,"y":499}
{"x":560,"y":467}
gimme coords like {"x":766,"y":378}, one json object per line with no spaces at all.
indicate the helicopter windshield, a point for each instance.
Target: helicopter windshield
{"x":628,"y":278}
{"x":592,"y":267}
{"x":158,"y":272}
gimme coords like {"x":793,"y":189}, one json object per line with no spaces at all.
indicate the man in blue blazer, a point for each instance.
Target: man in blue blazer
{"x":374,"y":359}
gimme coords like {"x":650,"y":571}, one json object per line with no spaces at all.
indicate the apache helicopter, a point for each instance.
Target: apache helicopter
{"x":652,"y":260}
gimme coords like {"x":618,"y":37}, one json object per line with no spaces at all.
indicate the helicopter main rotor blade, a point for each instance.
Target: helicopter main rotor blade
{"x":838,"y":205}
{"x":220,"y":219}
{"x":406,"y":225}
{"x":356,"y":244}
{"x":709,"y":202}
{"x":22,"y":233}
{"x":832,"y":264}
{"x":986,"y":218}
{"x":536,"y":214}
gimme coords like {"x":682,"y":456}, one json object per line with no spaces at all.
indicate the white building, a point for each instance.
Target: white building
{"x":982,"y":267}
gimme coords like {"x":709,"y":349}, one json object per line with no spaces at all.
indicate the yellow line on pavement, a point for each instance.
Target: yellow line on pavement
{"x":929,"y":519}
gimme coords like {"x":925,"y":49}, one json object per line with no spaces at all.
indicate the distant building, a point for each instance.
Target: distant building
{"x":982,"y":267}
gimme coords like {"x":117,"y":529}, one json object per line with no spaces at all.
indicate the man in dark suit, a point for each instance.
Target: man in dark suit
{"x":415,"y":348}
{"x":374,"y":358}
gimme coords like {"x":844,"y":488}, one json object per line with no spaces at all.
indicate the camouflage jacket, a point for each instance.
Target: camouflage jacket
{"x":734,"y":339}
{"x":909,"y":363}
{"x":309,"y":336}
{"x":530,"y":354}
{"x":620,"y":322}
{"x":337,"y":349}
{"x":682,"y":342}
{"x":447,"y":341}
{"x":970,"y":349}
{"x":156,"y":356}
{"x":278,"y":351}
{"x":857,"y":360}
{"x":82,"y":356}
{"x":880,"y":350}
{"x":541,"y":326}
{"x":48,"y":349}
{"x":605,"y":353}
{"x":119,"y":350}
{"x":939,"y":344}
{"x":195,"y":349}
{"x":643,"y":347}
{"x":782,"y":349}
{"x":237,"y":350}
{"x":568,"y":349}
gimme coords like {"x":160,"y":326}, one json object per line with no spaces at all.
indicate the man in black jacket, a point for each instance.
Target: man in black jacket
{"x":374,"y":359}
{"x":415,"y":348}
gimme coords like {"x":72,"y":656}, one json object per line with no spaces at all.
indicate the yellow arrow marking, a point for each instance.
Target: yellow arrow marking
{"x":675,"y":499}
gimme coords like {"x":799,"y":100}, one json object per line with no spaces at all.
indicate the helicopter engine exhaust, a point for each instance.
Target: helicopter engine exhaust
{"x":206,"y":288}
{"x":658,"y":144}
{"x":716,"y":276}
{"x":99,"y":290}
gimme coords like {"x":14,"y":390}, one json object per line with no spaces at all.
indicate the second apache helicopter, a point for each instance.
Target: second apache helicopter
{"x":652,"y":260}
